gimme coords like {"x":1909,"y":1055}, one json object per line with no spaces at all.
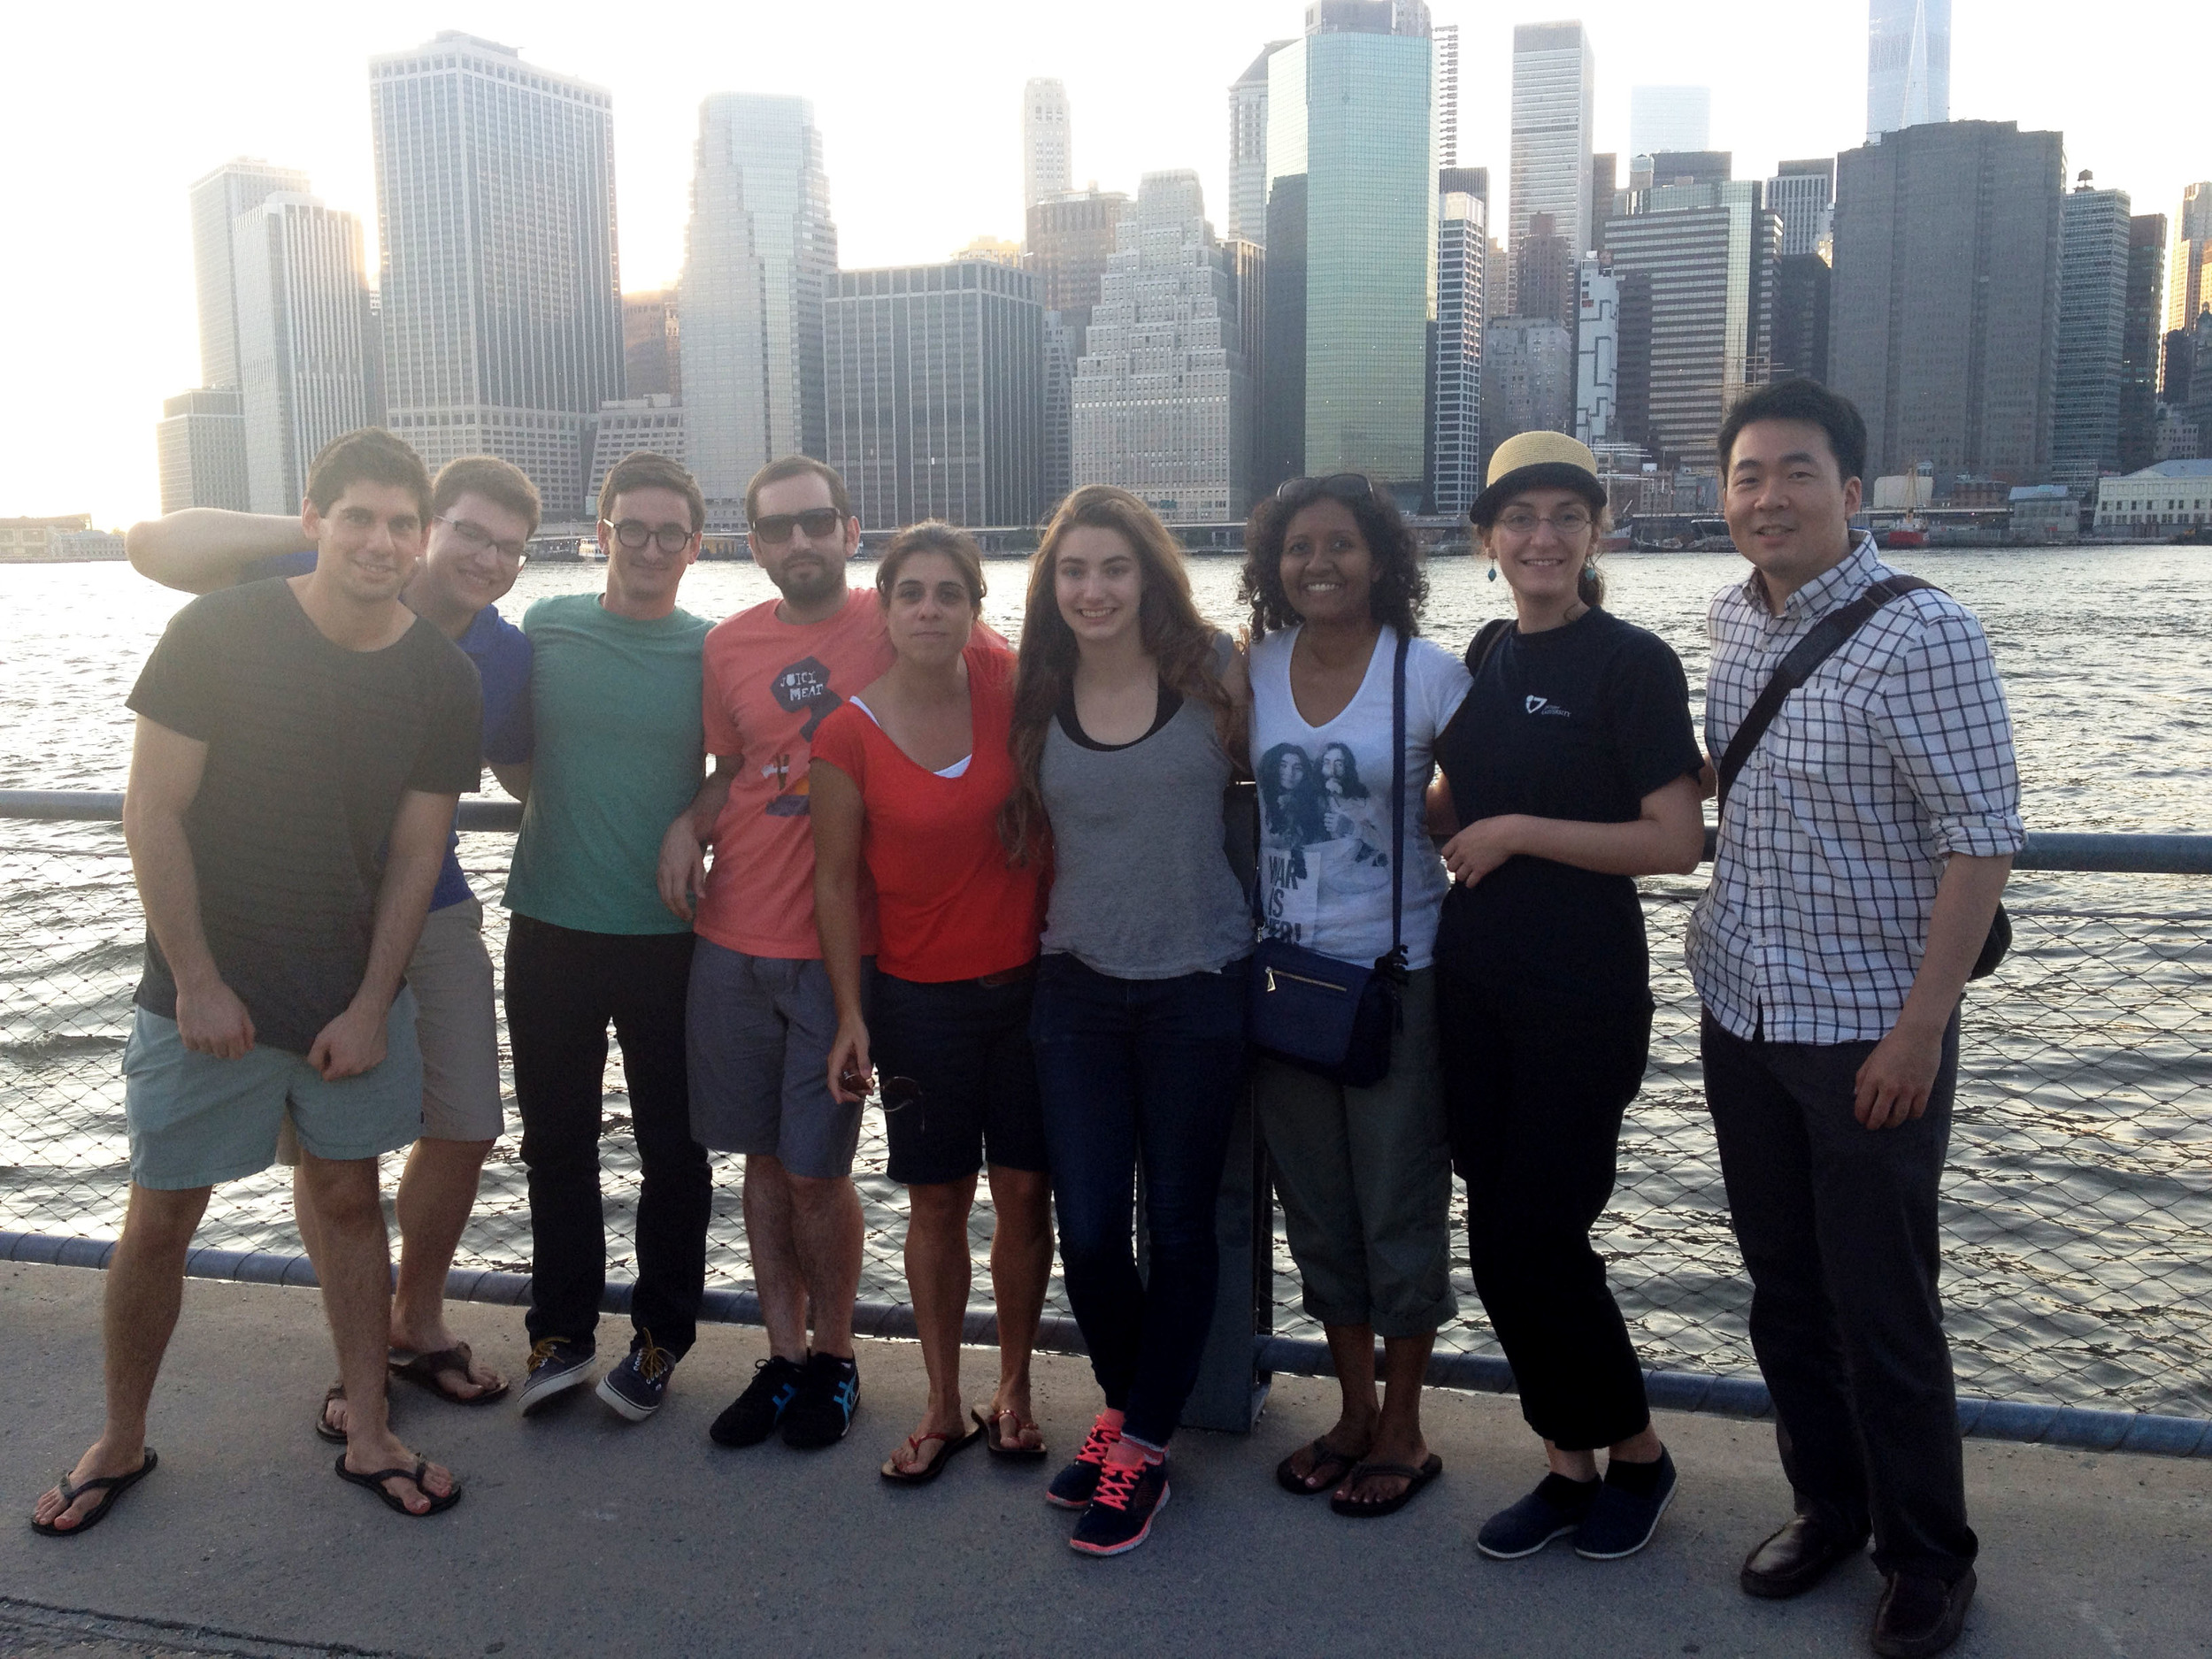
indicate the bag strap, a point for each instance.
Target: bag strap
{"x":1485,"y":642}
{"x":1827,"y":637}
{"x":1396,"y":961}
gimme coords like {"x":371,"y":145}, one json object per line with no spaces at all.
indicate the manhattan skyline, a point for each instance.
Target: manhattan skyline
{"x":920,"y":126}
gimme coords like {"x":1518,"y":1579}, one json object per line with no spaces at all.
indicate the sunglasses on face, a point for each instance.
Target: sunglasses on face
{"x":1341,"y":486}
{"x":635,"y":532}
{"x":819,"y":523}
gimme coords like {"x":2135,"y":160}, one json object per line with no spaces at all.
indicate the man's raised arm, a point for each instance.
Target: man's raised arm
{"x":165,"y":770}
{"x":199,"y":549}
{"x":354,"y":1042}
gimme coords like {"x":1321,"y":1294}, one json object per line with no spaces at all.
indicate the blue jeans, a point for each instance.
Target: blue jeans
{"x":1139,"y":1072}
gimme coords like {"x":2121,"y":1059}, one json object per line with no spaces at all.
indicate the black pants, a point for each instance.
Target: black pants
{"x":1837,"y":1228}
{"x":562,"y":988}
{"x":1535,"y":1097}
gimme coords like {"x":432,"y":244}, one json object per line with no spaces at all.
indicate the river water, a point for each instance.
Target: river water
{"x":2079,"y":1206}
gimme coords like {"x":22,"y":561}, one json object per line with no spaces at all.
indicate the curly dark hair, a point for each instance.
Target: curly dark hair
{"x":1400,"y":589}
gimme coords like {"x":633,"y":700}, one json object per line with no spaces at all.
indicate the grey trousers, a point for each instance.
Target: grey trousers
{"x":1366,"y":1180}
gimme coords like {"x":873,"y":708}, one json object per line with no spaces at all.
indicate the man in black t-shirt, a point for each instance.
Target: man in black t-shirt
{"x":300,"y":746}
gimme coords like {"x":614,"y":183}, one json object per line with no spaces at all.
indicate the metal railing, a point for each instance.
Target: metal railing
{"x":2077,"y":1208}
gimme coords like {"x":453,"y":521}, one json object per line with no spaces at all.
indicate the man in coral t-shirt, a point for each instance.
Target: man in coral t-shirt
{"x":761,"y":1017}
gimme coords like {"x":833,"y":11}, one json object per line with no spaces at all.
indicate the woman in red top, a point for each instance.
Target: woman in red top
{"x":908,"y":779}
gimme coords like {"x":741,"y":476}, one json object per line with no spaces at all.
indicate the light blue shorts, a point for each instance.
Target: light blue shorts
{"x":195,"y":1120}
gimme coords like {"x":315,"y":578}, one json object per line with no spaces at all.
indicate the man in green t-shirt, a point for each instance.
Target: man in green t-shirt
{"x":615,"y":698}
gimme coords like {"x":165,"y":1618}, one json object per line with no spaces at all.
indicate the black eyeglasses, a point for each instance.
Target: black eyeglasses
{"x":1343,"y":486}
{"x":635,"y":532}
{"x":819,"y":523}
{"x":478,"y":538}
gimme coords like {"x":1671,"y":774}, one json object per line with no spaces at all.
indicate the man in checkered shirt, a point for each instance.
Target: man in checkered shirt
{"x":1862,"y":850}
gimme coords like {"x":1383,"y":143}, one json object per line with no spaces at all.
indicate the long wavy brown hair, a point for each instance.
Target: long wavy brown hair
{"x":1175,"y":636}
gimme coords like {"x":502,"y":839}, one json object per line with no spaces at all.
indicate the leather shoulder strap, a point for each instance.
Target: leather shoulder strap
{"x":1825,"y":639}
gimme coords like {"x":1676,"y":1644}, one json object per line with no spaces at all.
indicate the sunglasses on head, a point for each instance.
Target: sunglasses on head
{"x":1341,"y":485}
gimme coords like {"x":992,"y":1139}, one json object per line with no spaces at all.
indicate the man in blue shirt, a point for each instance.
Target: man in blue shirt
{"x":483,"y":512}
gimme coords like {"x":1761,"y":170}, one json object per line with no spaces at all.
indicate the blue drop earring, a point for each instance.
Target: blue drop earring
{"x":1493,"y":571}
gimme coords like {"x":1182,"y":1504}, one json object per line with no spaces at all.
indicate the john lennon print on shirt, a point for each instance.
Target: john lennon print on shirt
{"x":1323,"y":836}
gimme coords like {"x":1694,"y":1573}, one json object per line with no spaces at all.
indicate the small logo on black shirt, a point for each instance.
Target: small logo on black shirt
{"x":1544,"y":706}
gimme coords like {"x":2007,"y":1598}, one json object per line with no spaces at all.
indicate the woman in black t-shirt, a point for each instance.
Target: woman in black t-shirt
{"x":1573,"y":766}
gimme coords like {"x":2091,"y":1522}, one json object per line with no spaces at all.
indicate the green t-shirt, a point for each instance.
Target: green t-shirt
{"x":619,"y":754}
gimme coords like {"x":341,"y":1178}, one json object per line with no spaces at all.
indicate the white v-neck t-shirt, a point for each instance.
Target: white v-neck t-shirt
{"x":1325,"y":803}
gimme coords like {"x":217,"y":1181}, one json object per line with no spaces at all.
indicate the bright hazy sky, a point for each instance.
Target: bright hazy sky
{"x":111,"y":111}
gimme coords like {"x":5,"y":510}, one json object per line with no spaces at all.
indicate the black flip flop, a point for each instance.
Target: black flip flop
{"x":1016,"y":1452}
{"x":110,"y":1487}
{"x":1415,"y":1479}
{"x":375,"y":1483}
{"x":1325,"y":1456}
{"x":922,"y":1476}
{"x":323,"y":1431}
{"x":423,"y":1370}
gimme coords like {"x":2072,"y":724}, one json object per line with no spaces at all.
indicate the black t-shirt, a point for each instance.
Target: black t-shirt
{"x":310,"y":748}
{"x":1578,"y":722}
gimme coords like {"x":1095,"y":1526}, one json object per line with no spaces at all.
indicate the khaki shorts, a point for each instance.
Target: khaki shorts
{"x":456,"y":1026}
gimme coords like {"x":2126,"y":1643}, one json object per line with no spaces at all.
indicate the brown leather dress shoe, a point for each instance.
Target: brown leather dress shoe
{"x":1920,"y":1615}
{"x":1795,"y":1559}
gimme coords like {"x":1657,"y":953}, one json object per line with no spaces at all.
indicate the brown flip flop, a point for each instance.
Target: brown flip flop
{"x":423,"y":1370}
{"x":1328,"y":1463}
{"x":323,"y":1430}
{"x":998,"y":1446}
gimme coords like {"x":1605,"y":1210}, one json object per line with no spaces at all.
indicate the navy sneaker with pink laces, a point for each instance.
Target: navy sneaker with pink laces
{"x":1071,"y":1488}
{"x":1120,"y":1514}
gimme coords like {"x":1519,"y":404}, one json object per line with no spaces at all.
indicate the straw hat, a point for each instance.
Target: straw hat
{"x":1538,"y":460}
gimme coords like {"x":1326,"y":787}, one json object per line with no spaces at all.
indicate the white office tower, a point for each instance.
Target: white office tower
{"x":1247,"y":150}
{"x":1597,"y":353}
{"x":501,"y":295}
{"x":1908,"y":65}
{"x":1447,"y":39}
{"x":655,"y":422}
{"x":1804,"y":194}
{"x":1160,"y":405}
{"x":1455,"y":396}
{"x":1555,"y":104}
{"x":1668,"y":118}
{"x":303,"y":350}
{"x":1048,"y":155}
{"x":218,"y":200}
{"x":757,"y":261}
{"x":201,"y":443}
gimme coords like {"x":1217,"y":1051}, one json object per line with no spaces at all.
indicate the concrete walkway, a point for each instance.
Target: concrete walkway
{"x":581,"y":1535}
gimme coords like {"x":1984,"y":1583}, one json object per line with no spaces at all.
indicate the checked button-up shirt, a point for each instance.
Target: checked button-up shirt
{"x":1895,"y":754}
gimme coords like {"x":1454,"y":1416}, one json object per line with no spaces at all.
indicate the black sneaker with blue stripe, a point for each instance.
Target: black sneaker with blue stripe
{"x":822,"y":1410}
{"x":752,"y":1416}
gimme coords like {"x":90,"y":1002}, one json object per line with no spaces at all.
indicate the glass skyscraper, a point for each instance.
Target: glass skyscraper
{"x":1351,"y":109}
{"x":1908,"y":65}
{"x":1554,"y":103}
{"x":758,"y":259}
{"x":501,"y":293}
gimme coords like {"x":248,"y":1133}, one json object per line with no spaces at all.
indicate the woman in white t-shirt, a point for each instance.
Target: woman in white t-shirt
{"x":1364,"y":1174}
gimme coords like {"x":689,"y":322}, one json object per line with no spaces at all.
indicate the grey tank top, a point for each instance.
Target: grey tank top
{"x":1142,"y":883}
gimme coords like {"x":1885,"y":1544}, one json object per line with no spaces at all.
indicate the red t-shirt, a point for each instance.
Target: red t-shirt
{"x":949,"y":906}
{"x":769,"y":685}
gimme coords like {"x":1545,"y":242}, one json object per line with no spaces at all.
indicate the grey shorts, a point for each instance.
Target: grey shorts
{"x":455,"y":1028}
{"x":757,"y":1031}
{"x":195,"y":1120}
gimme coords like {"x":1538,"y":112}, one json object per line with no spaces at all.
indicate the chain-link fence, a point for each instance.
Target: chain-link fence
{"x":2077,"y":1209}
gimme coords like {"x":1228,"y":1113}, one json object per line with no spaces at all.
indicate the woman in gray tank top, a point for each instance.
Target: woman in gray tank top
{"x":1128,"y":711}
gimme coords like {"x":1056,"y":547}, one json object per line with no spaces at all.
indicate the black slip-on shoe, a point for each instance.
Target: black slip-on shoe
{"x":1555,"y":1510}
{"x":1627,"y":1510}
{"x":1920,"y":1615}
{"x":1795,"y":1559}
